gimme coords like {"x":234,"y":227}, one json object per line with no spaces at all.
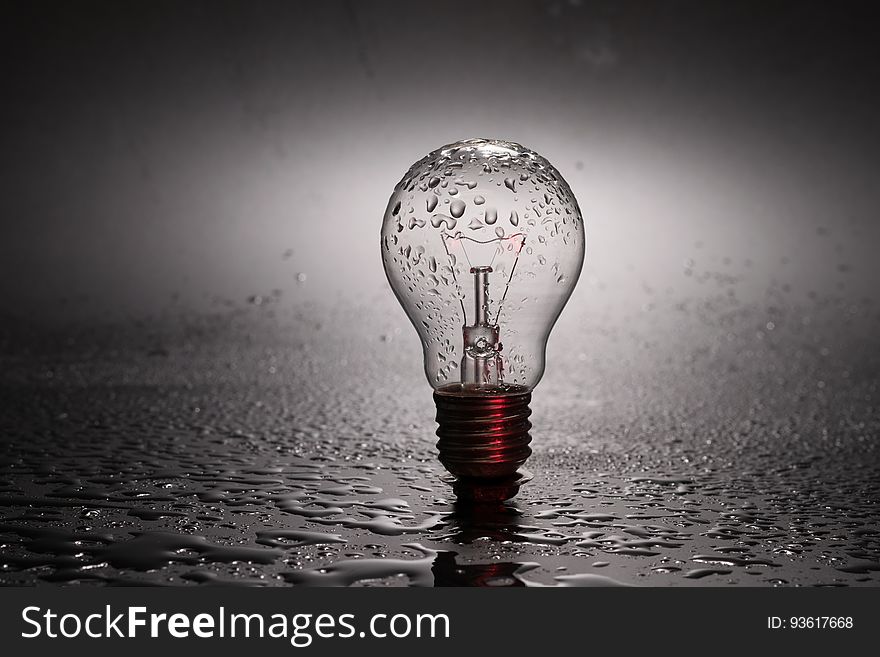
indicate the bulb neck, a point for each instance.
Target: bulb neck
{"x":483,"y":435}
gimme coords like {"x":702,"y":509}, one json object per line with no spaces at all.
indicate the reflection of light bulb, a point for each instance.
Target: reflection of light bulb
{"x":482,"y":243}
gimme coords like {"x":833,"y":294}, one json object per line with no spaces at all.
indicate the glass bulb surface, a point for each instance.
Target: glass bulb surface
{"x":483,"y":242}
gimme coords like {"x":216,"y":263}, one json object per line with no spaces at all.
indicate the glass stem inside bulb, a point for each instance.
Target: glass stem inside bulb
{"x":481,"y":364}
{"x":481,"y":295}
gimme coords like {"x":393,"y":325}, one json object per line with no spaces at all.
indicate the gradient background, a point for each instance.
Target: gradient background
{"x":164,"y":156}
{"x":196,"y":330}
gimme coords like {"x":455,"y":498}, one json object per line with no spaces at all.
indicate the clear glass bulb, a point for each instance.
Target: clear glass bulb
{"x":483,"y":242}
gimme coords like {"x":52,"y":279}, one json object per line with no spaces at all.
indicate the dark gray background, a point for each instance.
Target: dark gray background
{"x":165,"y":155}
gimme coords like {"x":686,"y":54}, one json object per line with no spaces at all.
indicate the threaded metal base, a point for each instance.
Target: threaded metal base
{"x":483,"y":436}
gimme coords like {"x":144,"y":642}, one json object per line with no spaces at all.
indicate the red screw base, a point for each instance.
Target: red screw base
{"x":484,"y":436}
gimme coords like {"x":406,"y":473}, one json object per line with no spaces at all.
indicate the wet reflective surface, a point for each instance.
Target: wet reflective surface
{"x":260,"y":449}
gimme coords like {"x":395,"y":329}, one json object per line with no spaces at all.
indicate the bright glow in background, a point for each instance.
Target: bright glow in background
{"x":170,"y":154}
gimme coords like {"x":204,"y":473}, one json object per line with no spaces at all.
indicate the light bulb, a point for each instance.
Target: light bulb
{"x":482,"y":243}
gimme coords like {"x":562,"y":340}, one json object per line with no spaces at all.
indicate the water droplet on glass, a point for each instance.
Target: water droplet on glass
{"x":439,"y":219}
